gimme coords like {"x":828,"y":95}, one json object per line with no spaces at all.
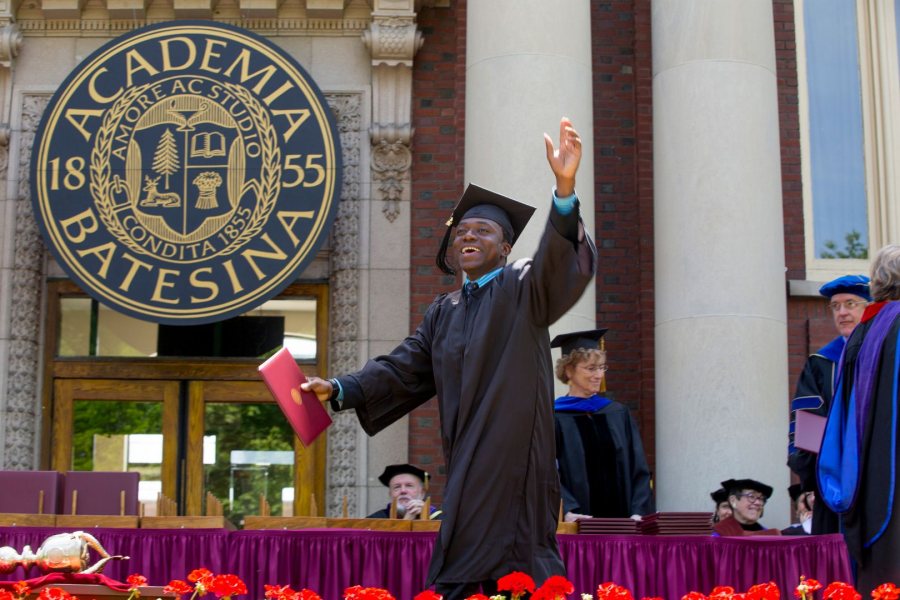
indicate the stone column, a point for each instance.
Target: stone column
{"x":15,"y":420}
{"x":721,"y":333}
{"x":528,"y":63}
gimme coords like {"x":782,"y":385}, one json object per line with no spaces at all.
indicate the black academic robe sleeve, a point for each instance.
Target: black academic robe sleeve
{"x":390,"y":386}
{"x":815,"y":386}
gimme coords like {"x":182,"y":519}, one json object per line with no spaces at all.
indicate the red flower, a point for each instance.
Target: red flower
{"x":428,"y":595}
{"x":283,"y":592}
{"x":21,"y":589}
{"x":764,"y":591}
{"x":358,"y":592}
{"x":838,"y":590}
{"x":226,"y":586}
{"x":202,"y":577}
{"x":52,"y":593}
{"x":886,"y":591}
{"x":136,"y":580}
{"x":306,"y":594}
{"x":5,"y":595}
{"x":556,"y":586}
{"x":722,"y":592}
{"x":611,"y":591}
{"x":478,"y":597}
{"x":806,"y":587}
{"x":516,"y":583}
{"x":693,"y":596}
{"x":178,"y":587}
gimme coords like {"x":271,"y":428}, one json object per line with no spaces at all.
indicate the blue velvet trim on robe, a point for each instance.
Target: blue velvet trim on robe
{"x":576,"y":404}
{"x":833,"y":349}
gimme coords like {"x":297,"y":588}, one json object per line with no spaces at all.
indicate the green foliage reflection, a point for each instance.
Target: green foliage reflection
{"x":249,"y":427}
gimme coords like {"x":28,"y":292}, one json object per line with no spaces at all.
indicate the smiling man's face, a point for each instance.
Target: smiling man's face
{"x":479,"y":246}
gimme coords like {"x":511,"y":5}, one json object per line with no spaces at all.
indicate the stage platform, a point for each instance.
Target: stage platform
{"x":330,"y":560}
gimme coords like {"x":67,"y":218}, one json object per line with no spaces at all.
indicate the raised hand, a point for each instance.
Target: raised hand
{"x":564,"y":160}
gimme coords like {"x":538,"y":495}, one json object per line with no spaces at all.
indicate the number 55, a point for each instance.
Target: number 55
{"x":291,"y":163}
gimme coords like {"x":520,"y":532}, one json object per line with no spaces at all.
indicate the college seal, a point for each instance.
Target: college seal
{"x":186,"y":172}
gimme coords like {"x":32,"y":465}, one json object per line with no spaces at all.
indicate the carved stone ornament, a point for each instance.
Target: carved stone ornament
{"x":391,"y":162}
{"x":10,"y":44}
{"x":393,"y":42}
{"x":343,"y":435}
{"x":22,"y":397}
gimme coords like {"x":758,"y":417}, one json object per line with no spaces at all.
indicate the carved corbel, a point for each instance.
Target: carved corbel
{"x":10,"y":44}
{"x":393,"y":40}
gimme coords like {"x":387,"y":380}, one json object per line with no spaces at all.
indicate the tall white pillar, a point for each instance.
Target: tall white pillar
{"x":528,"y":63}
{"x":721,"y":350}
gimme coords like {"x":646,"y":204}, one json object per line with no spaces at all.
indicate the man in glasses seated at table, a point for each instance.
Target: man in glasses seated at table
{"x":847,"y":297}
{"x":407,"y":485}
{"x":747,"y":498}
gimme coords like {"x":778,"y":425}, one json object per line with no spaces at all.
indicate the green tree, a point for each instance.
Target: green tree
{"x":165,"y":160}
{"x":100,"y":417}
{"x":853,"y":247}
{"x":247,"y":427}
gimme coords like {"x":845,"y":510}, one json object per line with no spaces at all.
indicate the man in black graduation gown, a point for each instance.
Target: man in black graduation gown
{"x":484,"y":350}
{"x":847,"y":298}
{"x":857,"y":467}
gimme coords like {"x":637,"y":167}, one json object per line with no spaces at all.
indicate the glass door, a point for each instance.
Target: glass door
{"x":119,"y":425}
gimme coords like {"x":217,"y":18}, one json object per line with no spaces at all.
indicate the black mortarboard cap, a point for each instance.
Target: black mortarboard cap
{"x":589,"y":340}
{"x":733,"y":485}
{"x":391,"y":470}
{"x":794,"y":491}
{"x":476,"y":201}
{"x":719,"y":496}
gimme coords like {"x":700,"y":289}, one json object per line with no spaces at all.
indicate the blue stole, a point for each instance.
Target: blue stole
{"x":838,"y":467}
{"x":833,"y":349}
{"x":576,"y":404}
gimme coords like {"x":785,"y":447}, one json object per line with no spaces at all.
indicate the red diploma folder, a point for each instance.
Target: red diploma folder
{"x":808,"y":431}
{"x":303,"y":410}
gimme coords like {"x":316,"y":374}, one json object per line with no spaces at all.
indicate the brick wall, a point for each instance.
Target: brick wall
{"x":437,"y":178}
{"x":810,"y":325}
{"x":623,"y":163}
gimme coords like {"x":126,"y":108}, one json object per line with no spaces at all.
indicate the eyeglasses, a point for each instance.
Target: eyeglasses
{"x":594,"y":368}
{"x":754,"y":498}
{"x":848,"y":304}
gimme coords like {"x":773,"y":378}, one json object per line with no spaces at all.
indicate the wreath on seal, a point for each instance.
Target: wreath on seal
{"x":266,"y":187}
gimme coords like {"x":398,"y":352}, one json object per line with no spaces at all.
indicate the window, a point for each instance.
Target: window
{"x":849,"y":91}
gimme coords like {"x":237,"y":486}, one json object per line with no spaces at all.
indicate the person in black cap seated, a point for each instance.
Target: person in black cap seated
{"x":484,"y":350}
{"x":602,"y":468}
{"x":747,"y":498}
{"x":800,"y":503}
{"x":406,"y":485}
{"x":847,"y":297}
{"x":723,"y":509}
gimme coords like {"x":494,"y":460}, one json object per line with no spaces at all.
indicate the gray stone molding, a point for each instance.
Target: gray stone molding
{"x":342,"y":465}
{"x":22,"y":410}
{"x":393,"y":40}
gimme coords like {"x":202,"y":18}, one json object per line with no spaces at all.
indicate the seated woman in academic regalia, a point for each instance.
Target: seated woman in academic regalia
{"x":602,"y":468}
{"x":723,"y":509}
{"x":747,"y":498}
